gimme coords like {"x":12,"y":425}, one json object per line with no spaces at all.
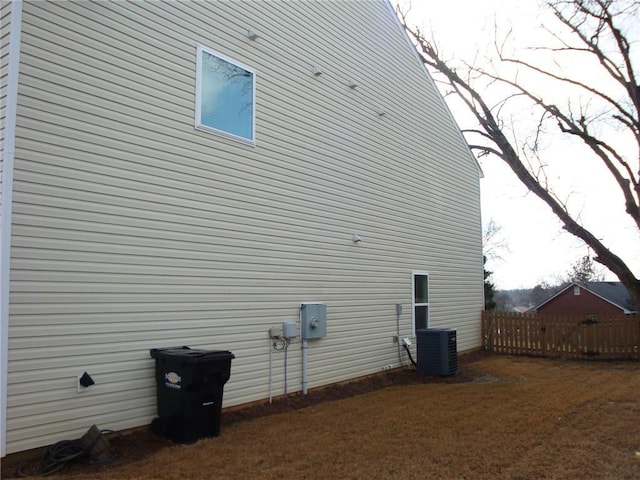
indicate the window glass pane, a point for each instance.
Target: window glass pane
{"x":226,"y":101}
{"x":421,"y":289}
{"x":421,"y":317}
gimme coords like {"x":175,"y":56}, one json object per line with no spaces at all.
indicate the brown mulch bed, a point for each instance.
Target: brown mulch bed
{"x":350,"y":389}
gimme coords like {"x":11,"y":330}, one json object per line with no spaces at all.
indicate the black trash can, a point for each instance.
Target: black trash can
{"x":189,"y":385}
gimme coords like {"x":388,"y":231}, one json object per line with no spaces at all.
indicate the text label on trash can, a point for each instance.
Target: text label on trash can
{"x":173,"y":380}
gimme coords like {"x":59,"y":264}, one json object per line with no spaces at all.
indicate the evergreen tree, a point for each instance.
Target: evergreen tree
{"x":489,"y":289}
{"x":583,"y":271}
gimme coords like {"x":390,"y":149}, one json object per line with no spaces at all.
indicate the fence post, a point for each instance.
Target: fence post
{"x":543,"y":337}
{"x":487,"y":327}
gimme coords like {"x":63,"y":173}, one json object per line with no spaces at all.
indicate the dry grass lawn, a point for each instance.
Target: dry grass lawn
{"x":509,"y":418}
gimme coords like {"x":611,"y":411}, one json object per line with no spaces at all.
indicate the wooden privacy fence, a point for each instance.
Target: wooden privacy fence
{"x":566,"y":336}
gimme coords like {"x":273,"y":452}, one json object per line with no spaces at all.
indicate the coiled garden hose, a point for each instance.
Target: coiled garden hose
{"x":59,"y":454}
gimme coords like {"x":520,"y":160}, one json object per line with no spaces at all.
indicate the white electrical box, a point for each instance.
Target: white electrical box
{"x":289,"y":329}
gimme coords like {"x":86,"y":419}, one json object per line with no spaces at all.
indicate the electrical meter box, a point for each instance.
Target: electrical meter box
{"x":313,"y":320}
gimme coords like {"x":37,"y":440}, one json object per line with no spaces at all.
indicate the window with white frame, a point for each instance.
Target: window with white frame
{"x":225,"y":96}
{"x":420,"y":295}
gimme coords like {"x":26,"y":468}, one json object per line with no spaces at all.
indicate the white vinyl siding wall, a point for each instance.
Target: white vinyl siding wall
{"x":133,"y":230}
{"x":5,"y":15}
{"x":10,"y":21}
{"x":5,"y":32}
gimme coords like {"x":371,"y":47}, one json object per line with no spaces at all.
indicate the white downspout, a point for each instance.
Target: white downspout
{"x":8,"y":157}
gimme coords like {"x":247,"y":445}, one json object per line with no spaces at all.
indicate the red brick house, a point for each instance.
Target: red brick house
{"x":590,"y":298}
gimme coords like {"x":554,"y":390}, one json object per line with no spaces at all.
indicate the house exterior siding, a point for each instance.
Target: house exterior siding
{"x":10,"y":21}
{"x":5,"y":13}
{"x":133,"y":230}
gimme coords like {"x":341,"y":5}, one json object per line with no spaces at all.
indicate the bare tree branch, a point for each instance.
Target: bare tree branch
{"x":604,"y":151}
{"x":625,"y":116}
{"x":594,"y":23}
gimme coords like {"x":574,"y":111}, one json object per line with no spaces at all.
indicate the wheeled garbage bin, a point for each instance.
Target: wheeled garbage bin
{"x":189,"y":386}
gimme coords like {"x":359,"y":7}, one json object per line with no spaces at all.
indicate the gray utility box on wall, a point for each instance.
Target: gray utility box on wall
{"x":437,"y":351}
{"x":313,"y":320}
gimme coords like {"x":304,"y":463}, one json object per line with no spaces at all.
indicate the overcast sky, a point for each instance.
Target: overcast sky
{"x":538,"y":248}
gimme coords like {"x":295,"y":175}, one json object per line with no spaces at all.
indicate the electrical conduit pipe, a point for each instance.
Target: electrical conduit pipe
{"x":304,"y":347}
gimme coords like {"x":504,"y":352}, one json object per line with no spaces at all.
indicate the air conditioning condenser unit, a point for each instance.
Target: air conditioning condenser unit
{"x":437,"y":351}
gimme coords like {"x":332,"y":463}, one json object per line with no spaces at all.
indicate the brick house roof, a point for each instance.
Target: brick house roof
{"x":614,"y":293}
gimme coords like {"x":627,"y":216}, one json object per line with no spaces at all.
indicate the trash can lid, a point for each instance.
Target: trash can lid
{"x":187,"y":354}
